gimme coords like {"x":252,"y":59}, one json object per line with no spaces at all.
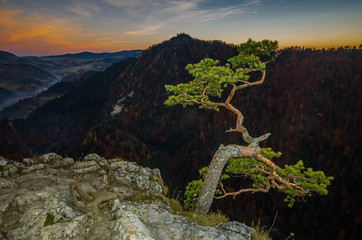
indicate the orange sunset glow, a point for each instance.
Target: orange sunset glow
{"x":109,"y":26}
{"x":181,"y":119}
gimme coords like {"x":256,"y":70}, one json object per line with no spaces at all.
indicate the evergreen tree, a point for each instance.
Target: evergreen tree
{"x":210,"y":81}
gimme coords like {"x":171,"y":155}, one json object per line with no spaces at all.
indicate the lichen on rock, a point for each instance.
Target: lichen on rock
{"x":49,"y":158}
{"x":94,"y":199}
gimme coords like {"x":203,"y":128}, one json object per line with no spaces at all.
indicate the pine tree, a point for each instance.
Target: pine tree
{"x":210,"y":82}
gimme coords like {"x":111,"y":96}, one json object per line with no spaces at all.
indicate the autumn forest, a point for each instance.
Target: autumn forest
{"x":310,"y":103}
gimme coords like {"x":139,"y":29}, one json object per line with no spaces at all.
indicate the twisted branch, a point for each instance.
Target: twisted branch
{"x":272,"y":179}
{"x":253,"y":142}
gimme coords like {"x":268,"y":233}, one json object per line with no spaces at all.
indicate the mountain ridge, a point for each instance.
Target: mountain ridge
{"x":91,"y":56}
{"x":62,"y":68}
{"x":5,"y":54}
{"x":305,"y":100}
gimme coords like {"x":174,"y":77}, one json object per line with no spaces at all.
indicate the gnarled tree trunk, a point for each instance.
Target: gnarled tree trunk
{"x":222,"y":155}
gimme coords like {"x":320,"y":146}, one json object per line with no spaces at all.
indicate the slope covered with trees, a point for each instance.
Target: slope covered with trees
{"x":310,"y":103}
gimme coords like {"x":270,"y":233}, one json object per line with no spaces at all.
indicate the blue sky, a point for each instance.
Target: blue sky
{"x":43,"y":27}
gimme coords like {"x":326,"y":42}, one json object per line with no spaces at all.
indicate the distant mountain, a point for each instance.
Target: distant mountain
{"x":309,"y":102}
{"x":16,"y":75}
{"x":5,"y":94}
{"x":21,"y":80}
{"x":25,"y":77}
{"x":70,"y":64}
{"x":92,"y":56}
{"x":23,"y":107}
{"x":4,"y":54}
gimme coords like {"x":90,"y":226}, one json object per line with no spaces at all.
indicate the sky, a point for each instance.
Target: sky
{"x":47,"y":27}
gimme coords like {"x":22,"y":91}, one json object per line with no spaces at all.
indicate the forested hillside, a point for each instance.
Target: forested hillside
{"x":309,"y":103}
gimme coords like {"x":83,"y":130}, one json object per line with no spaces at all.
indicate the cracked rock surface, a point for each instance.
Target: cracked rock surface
{"x":56,"y":198}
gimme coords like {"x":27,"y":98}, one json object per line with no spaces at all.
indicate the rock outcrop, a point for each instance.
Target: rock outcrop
{"x":57,"y":198}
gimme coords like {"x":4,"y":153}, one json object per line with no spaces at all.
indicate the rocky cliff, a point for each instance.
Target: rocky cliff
{"x":51,"y":197}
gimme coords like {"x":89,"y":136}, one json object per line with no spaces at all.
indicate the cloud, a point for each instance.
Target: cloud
{"x":35,"y":33}
{"x":170,"y":11}
{"x":212,"y":15}
{"x":18,"y":25}
{"x":85,"y":9}
{"x":82,"y":24}
{"x":157,"y":15}
{"x":39,"y":31}
{"x":6,"y":16}
{"x":123,"y":3}
{"x":104,"y":41}
{"x":147,"y":30}
{"x":81,"y":12}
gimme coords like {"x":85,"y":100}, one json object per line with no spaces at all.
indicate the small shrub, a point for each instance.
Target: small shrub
{"x":193,"y":190}
{"x":194,"y":187}
{"x":260,"y":233}
{"x":175,"y":206}
{"x":49,"y":220}
{"x":210,"y":219}
{"x":139,"y":197}
{"x":101,"y":208}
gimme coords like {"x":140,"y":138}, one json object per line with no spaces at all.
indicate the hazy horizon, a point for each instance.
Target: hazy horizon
{"x":45,"y":28}
{"x":100,"y":52}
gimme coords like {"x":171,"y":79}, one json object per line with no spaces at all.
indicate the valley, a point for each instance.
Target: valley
{"x":22,"y":79}
{"x":309,"y":103}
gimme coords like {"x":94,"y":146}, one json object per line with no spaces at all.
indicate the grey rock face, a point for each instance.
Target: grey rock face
{"x":139,"y":178}
{"x":49,"y":158}
{"x":6,"y":183}
{"x":28,"y":162}
{"x":85,"y":167}
{"x":3,"y":161}
{"x":163,"y":225}
{"x":9,"y":168}
{"x":94,"y":157}
{"x":34,"y":168}
{"x":64,"y":163}
{"x":93,"y":200}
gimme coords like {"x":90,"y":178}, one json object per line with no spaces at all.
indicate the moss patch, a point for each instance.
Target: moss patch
{"x":142,"y":197}
{"x":49,"y":220}
{"x":210,"y":219}
{"x":175,"y":206}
